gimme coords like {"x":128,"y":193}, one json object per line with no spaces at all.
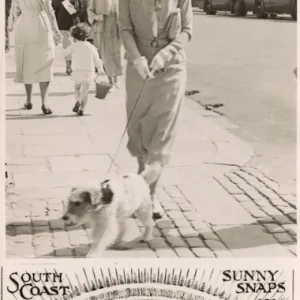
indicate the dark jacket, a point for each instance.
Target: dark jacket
{"x":64,"y":20}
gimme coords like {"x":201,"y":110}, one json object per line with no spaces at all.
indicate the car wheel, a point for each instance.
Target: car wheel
{"x":294,"y":12}
{"x":208,"y":8}
{"x":259,"y":9}
{"x":239,"y":8}
{"x":273,"y":16}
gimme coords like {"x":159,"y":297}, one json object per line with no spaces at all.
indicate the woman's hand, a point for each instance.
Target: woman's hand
{"x":160,"y":60}
{"x":141,"y":65}
{"x":98,"y":17}
{"x":57,"y":38}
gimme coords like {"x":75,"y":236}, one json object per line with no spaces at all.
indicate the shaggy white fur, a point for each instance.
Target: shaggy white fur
{"x":107,"y":207}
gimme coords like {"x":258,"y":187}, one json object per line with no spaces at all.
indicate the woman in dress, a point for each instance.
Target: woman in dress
{"x":65,"y":21}
{"x":36,"y":34}
{"x":104,"y":20}
{"x":154,"y":34}
{"x":7,"y":10}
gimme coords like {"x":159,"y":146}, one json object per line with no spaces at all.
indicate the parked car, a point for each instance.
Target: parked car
{"x":236,"y":7}
{"x":260,"y":8}
{"x":263,"y":8}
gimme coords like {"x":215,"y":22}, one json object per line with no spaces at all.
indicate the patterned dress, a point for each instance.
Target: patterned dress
{"x":145,"y":30}
{"x":106,"y":35}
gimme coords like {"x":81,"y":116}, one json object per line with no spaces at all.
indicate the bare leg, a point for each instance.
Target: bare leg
{"x":116,"y":82}
{"x":141,"y":163}
{"x":158,"y":211}
{"x":68,"y":67}
{"x":44,"y":86}
{"x":28,"y":89}
{"x":152,"y":176}
{"x":84,"y":94}
{"x":77,"y":90}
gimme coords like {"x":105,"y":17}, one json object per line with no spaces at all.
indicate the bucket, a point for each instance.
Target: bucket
{"x":102,"y":89}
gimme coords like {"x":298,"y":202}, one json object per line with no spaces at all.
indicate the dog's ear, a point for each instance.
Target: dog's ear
{"x":86,"y":197}
{"x":107,"y":193}
{"x":92,"y":198}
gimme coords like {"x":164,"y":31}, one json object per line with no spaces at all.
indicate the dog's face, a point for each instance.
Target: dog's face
{"x":83,"y":202}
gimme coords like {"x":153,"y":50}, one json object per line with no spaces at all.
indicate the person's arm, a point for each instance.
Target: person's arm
{"x":97,"y":60}
{"x":127,"y":31}
{"x":51,"y":16}
{"x":68,"y":51}
{"x":165,"y":55}
{"x":91,"y":11}
{"x":55,"y":6}
{"x":14,"y":13}
{"x":186,"y":28}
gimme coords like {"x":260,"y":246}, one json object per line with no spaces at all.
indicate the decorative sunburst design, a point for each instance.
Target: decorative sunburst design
{"x":152,"y":283}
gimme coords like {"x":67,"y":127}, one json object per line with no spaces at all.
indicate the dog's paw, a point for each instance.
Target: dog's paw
{"x":147,"y":238}
{"x":93,"y":254}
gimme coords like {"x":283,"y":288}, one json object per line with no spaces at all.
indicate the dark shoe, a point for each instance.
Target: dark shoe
{"x":69,"y":71}
{"x":158,"y":211}
{"x":68,"y":67}
{"x":28,"y":105}
{"x":46,"y":110}
{"x":157,"y":216}
{"x":80,"y":112}
{"x":76,"y":107}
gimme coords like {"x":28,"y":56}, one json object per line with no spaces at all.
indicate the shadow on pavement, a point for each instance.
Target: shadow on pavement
{"x":239,"y":237}
{"x":60,"y":94}
{"x":40,"y":117}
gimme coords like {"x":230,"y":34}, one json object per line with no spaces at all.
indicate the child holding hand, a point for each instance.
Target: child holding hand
{"x":85,"y":58}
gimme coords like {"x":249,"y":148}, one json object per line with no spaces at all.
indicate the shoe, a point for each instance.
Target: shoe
{"x":158,"y":211}
{"x":69,"y":71}
{"x":80,"y":112}
{"x":28,"y":105}
{"x":76,"y":107}
{"x":111,"y":89}
{"x":46,"y":110}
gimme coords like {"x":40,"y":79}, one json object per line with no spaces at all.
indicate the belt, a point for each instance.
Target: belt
{"x":155,"y":43}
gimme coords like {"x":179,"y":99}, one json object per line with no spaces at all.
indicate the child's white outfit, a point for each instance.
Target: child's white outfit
{"x":85,"y":58}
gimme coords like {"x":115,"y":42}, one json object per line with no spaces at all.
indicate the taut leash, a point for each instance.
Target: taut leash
{"x":125,"y":130}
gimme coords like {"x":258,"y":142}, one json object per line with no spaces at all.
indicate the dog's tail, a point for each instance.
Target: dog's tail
{"x":151,"y":172}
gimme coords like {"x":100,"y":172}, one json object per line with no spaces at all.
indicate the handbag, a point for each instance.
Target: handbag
{"x":175,"y":23}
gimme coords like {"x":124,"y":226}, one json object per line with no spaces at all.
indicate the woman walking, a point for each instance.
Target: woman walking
{"x":7,"y":38}
{"x":104,"y":20}
{"x":36,"y":34}
{"x":154,"y":34}
{"x":65,"y":21}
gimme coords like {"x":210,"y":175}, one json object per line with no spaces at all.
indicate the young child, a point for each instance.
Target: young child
{"x":85,"y":58}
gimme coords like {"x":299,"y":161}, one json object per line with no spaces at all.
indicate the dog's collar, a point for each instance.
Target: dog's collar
{"x":105,"y":184}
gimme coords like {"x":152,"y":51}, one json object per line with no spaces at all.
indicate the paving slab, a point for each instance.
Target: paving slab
{"x":210,"y":200}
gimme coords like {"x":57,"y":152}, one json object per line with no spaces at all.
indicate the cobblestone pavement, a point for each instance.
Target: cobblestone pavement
{"x":214,"y":206}
{"x":34,"y":227}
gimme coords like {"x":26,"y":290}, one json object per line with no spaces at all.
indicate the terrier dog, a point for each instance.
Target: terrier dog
{"x":107,"y":207}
